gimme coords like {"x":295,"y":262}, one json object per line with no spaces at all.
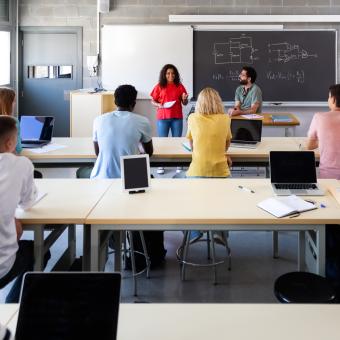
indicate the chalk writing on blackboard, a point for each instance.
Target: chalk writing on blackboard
{"x":239,"y":50}
{"x":297,"y":76}
{"x":286,"y":52}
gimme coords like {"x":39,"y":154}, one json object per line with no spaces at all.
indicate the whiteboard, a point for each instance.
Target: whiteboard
{"x":135,"y":54}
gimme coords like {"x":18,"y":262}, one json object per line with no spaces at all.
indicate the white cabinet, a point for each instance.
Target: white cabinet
{"x":85,"y":107}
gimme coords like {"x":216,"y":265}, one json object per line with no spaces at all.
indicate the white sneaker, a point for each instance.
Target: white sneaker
{"x":160,"y":171}
{"x":179,"y":169}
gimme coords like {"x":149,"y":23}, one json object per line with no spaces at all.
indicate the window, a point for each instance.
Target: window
{"x":5,"y":58}
{"x":4,"y":10}
{"x":8,"y":20}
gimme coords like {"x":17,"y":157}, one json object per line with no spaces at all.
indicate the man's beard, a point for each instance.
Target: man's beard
{"x":243,"y":82}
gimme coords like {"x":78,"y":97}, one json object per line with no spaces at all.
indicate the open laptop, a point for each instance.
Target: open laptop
{"x":36,"y":131}
{"x":294,"y":173}
{"x":69,"y":305}
{"x":246,"y":133}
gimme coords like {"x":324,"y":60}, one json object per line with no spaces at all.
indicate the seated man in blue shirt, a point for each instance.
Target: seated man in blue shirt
{"x":248,"y":96}
{"x":119,"y":133}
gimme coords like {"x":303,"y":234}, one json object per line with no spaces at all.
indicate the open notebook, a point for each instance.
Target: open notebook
{"x":285,"y":206}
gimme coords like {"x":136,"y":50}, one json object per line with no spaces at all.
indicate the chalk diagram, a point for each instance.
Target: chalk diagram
{"x":285,"y":52}
{"x":235,"y":51}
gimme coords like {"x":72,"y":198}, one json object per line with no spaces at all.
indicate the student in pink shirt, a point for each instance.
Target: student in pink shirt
{"x":324,"y":133}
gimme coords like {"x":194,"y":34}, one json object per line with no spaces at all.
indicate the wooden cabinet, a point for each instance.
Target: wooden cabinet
{"x":85,"y":107}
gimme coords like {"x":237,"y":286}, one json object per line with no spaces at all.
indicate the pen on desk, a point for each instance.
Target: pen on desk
{"x":322,"y":205}
{"x":246,"y":189}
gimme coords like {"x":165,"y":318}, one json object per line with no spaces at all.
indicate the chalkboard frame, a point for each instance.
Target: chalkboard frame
{"x":219,"y":28}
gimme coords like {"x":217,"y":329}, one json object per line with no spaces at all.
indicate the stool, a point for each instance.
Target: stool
{"x":183,"y":250}
{"x":132,"y":252}
{"x":302,"y":287}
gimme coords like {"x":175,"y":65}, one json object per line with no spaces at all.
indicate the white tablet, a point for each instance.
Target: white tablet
{"x":135,"y":172}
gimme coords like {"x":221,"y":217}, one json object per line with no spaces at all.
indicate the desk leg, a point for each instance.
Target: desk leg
{"x":72,"y":242}
{"x":118,"y":251}
{"x":94,"y":249}
{"x":275,"y":244}
{"x":86,"y":247}
{"x":302,"y":251}
{"x":321,"y":250}
{"x":39,"y":248}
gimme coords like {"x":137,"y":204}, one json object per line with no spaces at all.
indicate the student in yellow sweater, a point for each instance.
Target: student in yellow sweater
{"x":209,"y":135}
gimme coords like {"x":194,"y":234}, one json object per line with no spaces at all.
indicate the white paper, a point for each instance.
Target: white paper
{"x":284,"y":206}
{"x":167,"y":105}
{"x":40,"y":196}
{"x":47,"y":148}
{"x":252,"y":116}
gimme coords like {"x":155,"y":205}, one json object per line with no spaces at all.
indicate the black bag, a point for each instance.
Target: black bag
{"x":333,"y":255}
{"x":154,"y":241}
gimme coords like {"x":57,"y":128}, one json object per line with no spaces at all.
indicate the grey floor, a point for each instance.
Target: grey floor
{"x":251,"y":278}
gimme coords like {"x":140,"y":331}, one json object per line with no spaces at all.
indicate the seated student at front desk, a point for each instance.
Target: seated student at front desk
{"x":248,"y":96}
{"x":324,"y":133}
{"x":119,"y":133}
{"x":17,"y":189}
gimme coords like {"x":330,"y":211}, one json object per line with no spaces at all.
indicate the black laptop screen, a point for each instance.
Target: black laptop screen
{"x":292,"y":167}
{"x":69,"y":306}
{"x":246,"y":130}
{"x":36,"y":128}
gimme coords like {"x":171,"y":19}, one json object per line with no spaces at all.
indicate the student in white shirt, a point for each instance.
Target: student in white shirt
{"x":17,"y":189}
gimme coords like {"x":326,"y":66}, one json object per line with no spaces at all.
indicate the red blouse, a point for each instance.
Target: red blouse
{"x":167,"y":94}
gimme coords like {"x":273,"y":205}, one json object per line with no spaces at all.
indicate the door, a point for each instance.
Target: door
{"x":51,"y":64}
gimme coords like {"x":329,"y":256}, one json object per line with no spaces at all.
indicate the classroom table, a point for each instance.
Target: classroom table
{"x":221,"y":321}
{"x":268,"y":121}
{"x":206,"y":204}
{"x":68,"y":202}
{"x":167,"y":152}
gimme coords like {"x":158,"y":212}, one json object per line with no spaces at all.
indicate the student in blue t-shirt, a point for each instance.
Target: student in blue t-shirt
{"x":119,"y":133}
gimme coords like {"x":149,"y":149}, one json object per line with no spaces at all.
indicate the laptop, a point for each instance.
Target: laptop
{"x":294,"y":173}
{"x":246,"y":133}
{"x":69,"y":305}
{"x":135,"y":173}
{"x":36,"y":131}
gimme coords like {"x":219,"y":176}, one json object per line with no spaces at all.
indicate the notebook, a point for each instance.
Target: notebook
{"x":246,"y":133}
{"x":285,"y":206}
{"x":281,"y":119}
{"x":294,"y":173}
{"x":36,"y":131}
{"x":68,"y":306}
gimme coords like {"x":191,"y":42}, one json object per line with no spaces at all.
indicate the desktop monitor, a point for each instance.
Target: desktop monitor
{"x":135,"y":172}
{"x":68,"y":306}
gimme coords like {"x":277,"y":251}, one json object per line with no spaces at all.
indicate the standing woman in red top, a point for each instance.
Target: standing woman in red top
{"x":168,"y":96}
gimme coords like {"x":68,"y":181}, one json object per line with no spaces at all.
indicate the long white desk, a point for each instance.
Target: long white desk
{"x":205,"y":204}
{"x":221,"y":321}
{"x":167,"y":151}
{"x":68,"y":202}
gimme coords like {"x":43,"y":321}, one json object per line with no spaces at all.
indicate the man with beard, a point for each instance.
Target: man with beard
{"x":248,"y":96}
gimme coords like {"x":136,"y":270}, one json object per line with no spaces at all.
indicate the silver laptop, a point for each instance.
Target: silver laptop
{"x":69,"y":306}
{"x":36,"y":131}
{"x":246,"y":133}
{"x":294,"y":173}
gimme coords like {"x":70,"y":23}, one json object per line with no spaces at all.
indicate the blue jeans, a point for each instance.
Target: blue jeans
{"x":173,"y":124}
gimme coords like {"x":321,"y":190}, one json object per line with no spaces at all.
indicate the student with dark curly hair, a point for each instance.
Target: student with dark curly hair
{"x":168,"y":96}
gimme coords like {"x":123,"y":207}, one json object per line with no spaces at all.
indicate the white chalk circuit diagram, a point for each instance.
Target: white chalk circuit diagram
{"x":286,"y":52}
{"x":238,"y":50}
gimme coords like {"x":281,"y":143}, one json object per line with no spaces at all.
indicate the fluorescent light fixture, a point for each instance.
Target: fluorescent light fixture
{"x":237,"y":27}
{"x":253,"y":18}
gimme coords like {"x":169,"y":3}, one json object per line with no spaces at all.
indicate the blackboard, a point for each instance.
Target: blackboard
{"x":292,"y":65}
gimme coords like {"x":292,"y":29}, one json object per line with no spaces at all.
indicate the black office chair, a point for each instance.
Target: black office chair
{"x":302,"y":287}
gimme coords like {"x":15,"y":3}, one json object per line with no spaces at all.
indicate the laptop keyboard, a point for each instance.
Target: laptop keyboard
{"x":296,"y":186}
